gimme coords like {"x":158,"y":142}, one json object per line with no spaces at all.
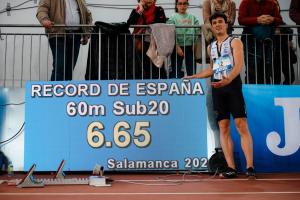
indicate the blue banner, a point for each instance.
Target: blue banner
{"x":274,"y":121}
{"x":122,"y":125}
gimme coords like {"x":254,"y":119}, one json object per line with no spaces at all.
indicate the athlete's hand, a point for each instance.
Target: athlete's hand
{"x":225,"y":81}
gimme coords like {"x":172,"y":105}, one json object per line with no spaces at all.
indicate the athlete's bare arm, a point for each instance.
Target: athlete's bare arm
{"x":208,"y":72}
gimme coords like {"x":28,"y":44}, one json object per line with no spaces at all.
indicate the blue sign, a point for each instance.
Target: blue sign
{"x":122,"y":125}
{"x":3,"y":101}
{"x":274,"y":121}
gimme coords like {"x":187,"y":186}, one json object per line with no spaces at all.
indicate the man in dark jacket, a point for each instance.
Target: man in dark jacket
{"x":259,"y":17}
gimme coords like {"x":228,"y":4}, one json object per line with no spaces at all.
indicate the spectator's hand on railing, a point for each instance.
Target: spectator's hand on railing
{"x":261,"y":19}
{"x":84,"y":39}
{"x":47,"y":23}
{"x":269,"y":19}
{"x":188,"y":77}
{"x":179,"y":51}
{"x":291,"y":45}
{"x":265,"y":19}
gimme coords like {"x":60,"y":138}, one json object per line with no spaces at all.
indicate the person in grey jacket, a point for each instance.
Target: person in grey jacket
{"x":64,"y":41}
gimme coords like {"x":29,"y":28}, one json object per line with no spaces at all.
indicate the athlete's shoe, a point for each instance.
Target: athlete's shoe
{"x":250,"y":173}
{"x":229,"y":173}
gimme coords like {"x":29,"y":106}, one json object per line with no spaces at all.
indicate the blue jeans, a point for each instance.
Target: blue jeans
{"x":258,"y":59}
{"x":65,"y":53}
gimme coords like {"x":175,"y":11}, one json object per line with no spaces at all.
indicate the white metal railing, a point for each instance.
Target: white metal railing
{"x":111,"y":55}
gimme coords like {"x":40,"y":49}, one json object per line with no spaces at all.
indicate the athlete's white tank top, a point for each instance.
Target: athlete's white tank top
{"x":223,"y":61}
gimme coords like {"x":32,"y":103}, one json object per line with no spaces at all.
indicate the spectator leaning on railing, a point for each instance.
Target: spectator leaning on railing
{"x":146,"y":13}
{"x":64,"y":41}
{"x":284,"y":55}
{"x":295,"y":14}
{"x":210,"y":7}
{"x":259,"y":17}
{"x":185,"y":39}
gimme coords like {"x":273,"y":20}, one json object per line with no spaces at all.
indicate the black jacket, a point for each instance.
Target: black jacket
{"x":116,"y":53}
{"x":159,"y":16}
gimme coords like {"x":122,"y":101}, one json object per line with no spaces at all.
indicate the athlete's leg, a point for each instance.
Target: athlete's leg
{"x":226,"y":142}
{"x":246,"y":139}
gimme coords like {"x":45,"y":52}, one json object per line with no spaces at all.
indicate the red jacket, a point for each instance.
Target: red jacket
{"x":249,"y":10}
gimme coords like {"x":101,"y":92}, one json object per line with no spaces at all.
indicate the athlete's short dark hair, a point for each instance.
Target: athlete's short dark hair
{"x":216,"y":15}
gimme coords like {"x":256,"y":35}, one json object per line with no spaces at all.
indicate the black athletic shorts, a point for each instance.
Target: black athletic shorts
{"x":229,"y":102}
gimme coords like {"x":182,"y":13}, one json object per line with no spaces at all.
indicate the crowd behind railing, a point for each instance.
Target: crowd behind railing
{"x":113,"y":54}
{"x":125,"y":50}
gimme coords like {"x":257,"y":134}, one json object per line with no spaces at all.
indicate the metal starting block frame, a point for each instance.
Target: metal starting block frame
{"x":59,"y":179}
{"x":29,"y":181}
{"x":60,"y":173}
{"x":65,"y":181}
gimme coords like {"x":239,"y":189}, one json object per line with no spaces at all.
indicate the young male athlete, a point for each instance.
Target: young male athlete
{"x":226,"y":62}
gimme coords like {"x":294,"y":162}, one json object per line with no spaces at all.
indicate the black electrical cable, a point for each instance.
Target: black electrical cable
{"x":106,"y":6}
{"x":14,"y":136}
{"x":21,"y":4}
{"x":13,"y":9}
{"x":12,"y":104}
{"x":110,"y":6}
{"x":10,"y":8}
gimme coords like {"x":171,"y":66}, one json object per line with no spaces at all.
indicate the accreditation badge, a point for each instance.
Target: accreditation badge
{"x":222,"y":66}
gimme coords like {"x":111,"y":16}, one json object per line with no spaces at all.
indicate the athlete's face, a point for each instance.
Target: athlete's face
{"x":219,"y":26}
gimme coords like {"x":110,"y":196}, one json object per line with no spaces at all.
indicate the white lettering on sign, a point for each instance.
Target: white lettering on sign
{"x":291,"y":113}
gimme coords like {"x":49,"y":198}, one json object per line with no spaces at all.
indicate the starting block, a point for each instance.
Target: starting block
{"x":65,"y":181}
{"x":29,"y":181}
{"x":60,"y":173}
{"x":59,"y":178}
